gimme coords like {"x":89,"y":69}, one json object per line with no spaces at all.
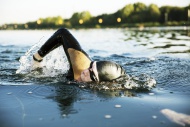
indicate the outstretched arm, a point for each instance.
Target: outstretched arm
{"x":77,"y":57}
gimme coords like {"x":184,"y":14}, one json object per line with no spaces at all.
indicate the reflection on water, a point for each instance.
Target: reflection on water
{"x":66,"y":95}
{"x":34,"y":102}
{"x":168,"y":41}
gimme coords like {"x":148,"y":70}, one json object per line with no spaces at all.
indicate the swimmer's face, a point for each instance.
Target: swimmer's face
{"x":89,"y":74}
{"x":85,"y":76}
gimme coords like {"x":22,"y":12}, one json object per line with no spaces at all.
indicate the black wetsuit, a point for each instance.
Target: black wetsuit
{"x":62,"y":37}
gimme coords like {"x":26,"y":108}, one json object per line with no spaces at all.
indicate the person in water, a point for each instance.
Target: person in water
{"x":82,"y":67}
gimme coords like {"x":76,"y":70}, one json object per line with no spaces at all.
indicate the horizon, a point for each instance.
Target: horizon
{"x":22,"y":11}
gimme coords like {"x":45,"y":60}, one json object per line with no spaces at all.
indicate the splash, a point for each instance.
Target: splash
{"x":140,"y":82}
{"x":53,"y":64}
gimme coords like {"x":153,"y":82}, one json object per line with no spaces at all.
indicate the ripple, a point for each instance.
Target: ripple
{"x":40,"y":91}
{"x":19,"y":98}
{"x":169,"y":45}
{"x":7,"y":51}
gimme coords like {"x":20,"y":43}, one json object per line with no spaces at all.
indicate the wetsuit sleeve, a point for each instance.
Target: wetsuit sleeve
{"x":64,"y":37}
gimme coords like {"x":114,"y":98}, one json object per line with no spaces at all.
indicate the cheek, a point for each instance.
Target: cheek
{"x":85,"y":77}
{"x":82,"y":76}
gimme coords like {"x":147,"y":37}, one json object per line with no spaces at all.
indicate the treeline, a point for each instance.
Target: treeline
{"x":137,"y":14}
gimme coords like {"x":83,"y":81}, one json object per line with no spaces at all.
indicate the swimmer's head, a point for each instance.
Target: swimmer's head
{"x":108,"y":71}
{"x":102,"y":71}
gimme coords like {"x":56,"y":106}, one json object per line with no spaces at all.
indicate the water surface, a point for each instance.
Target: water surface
{"x":46,"y":98}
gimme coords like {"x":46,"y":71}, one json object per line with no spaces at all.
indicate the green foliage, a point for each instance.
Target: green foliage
{"x":75,"y":18}
{"x":84,"y":16}
{"x":140,"y":7}
{"x":153,"y":13}
{"x":51,"y":21}
{"x":127,"y":11}
{"x":140,"y":13}
{"x":173,"y":14}
{"x":177,"y":14}
{"x":137,"y":14}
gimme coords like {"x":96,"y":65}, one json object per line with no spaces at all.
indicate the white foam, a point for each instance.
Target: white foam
{"x":141,"y":81}
{"x":53,"y":64}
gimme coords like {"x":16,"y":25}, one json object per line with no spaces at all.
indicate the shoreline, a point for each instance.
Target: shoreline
{"x":142,"y":27}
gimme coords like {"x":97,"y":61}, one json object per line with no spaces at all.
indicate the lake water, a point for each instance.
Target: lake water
{"x":35,"y":98}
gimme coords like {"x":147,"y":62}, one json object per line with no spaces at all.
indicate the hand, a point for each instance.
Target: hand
{"x":36,"y":64}
{"x":36,"y":61}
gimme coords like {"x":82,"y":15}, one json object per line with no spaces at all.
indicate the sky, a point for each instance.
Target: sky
{"x":22,"y":11}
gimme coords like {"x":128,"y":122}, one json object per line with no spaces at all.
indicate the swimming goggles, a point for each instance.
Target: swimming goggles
{"x":92,"y":75}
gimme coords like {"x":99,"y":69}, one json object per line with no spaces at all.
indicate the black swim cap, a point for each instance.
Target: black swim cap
{"x":108,"y":70}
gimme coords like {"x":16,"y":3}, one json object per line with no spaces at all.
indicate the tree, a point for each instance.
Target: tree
{"x":75,"y":18}
{"x":139,"y":7}
{"x":50,"y":22}
{"x":58,"y":20}
{"x":177,"y":14}
{"x":127,"y":10}
{"x":84,"y":17}
{"x":153,"y":14}
{"x":165,"y":10}
{"x":173,"y":13}
{"x":140,"y":13}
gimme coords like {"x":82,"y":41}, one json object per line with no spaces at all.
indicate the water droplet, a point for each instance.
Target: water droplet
{"x":154,"y":117}
{"x":107,"y":116}
{"x":30,"y":92}
{"x":118,"y":106}
{"x":9,"y":93}
{"x":151,"y":94}
{"x":64,"y":115}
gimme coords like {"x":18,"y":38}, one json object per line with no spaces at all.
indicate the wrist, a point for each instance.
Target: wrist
{"x":37,"y":57}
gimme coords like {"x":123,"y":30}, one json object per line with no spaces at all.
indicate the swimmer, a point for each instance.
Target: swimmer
{"x":82,"y":67}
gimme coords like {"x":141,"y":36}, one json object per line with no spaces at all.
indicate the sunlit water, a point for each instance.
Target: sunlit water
{"x":156,"y":60}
